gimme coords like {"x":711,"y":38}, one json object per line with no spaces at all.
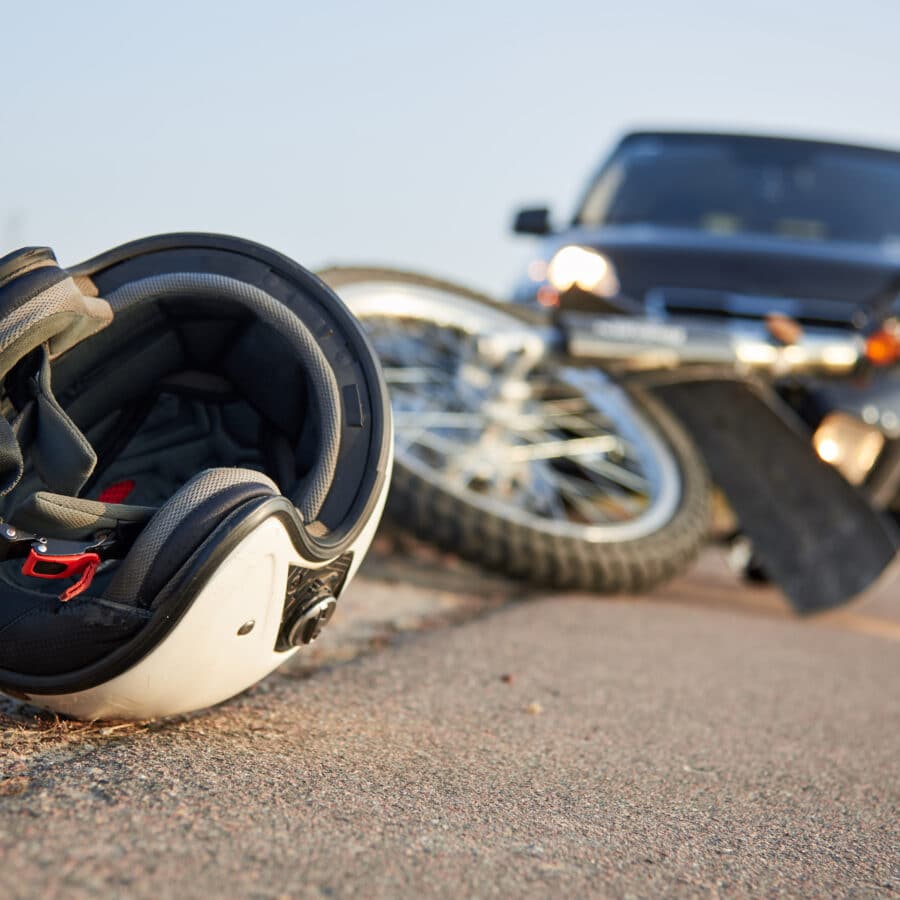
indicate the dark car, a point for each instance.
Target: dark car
{"x":726,"y":225}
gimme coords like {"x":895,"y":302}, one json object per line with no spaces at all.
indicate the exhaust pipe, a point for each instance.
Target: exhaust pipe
{"x":646,"y":344}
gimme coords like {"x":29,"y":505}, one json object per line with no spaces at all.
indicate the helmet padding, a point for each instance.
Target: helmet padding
{"x":180,"y":526}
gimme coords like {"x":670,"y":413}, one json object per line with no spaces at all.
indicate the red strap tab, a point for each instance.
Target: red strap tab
{"x":42,"y":565}
{"x":118,"y":492}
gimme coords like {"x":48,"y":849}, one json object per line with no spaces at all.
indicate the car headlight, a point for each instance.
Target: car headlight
{"x":851,"y":446}
{"x":589,"y":270}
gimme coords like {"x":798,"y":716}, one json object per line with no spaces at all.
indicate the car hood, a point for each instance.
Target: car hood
{"x":806,"y":279}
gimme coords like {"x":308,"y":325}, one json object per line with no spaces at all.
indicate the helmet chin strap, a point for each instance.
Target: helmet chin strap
{"x":62,"y":455}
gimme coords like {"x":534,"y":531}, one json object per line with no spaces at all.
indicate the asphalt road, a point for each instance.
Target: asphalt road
{"x":699,"y":742}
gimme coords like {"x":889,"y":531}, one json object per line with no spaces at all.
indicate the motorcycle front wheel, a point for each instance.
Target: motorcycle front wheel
{"x":546,"y":472}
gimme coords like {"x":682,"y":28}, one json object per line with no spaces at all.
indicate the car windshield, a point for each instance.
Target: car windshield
{"x":732,"y":185}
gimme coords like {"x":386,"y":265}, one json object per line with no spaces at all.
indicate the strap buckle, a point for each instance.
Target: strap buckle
{"x":41,"y":564}
{"x":56,"y":559}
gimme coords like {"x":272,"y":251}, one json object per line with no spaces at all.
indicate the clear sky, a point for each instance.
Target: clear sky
{"x":401,"y":132}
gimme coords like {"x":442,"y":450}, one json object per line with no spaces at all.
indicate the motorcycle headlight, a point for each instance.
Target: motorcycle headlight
{"x":589,"y":270}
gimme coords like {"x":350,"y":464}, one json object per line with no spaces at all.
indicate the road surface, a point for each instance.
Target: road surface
{"x":450,"y":741}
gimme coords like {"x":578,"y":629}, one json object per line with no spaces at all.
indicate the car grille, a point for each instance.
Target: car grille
{"x":671,"y":302}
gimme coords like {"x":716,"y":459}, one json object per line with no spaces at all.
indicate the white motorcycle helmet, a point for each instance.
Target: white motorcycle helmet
{"x":182,"y":510}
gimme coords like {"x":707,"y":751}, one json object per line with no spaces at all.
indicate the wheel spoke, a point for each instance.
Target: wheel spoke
{"x":585,"y":506}
{"x":540,"y":445}
{"x":445,"y":446}
{"x":565,"y":449}
{"x":438,"y":419}
{"x":413,"y":375}
{"x":599,"y":506}
{"x":617,"y":474}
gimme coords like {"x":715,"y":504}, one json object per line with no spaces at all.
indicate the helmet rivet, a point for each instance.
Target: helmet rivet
{"x":41,"y":548}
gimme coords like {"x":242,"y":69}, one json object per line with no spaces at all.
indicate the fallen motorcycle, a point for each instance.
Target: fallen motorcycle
{"x":573,"y":449}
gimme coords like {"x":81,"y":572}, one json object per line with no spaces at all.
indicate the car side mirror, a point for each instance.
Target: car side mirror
{"x":532,"y":221}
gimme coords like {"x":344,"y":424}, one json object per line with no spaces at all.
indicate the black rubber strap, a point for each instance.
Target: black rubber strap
{"x":62,"y":455}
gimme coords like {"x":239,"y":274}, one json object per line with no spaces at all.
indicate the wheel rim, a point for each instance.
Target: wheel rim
{"x":560,"y":450}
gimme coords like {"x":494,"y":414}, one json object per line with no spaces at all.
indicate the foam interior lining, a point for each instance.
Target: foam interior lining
{"x":171,"y":389}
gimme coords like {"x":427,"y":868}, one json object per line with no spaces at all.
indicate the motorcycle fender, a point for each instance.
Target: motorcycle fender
{"x":816,"y":535}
